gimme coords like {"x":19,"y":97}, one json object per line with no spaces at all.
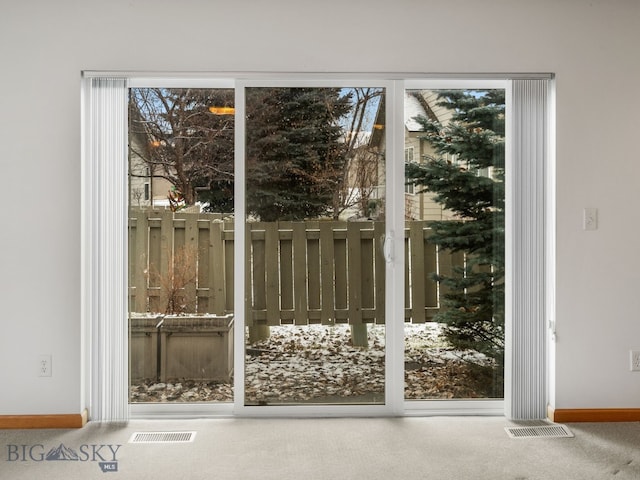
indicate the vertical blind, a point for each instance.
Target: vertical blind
{"x":525,"y":379}
{"x":106,"y":217}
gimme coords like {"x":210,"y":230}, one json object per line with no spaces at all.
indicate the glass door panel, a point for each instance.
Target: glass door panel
{"x":314,"y":266}
{"x":316,"y":217}
{"x":181,"y":161}
{"x":454,"y":243}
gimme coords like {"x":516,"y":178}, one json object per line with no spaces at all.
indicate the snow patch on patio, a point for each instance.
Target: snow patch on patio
{"x":317,"y":363}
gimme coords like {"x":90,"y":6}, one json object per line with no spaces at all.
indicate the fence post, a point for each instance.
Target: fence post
{"x":300,"y":305}
{"x":256,"y":287}
{"x":380,"y":277}
{"x":327,"y":269}
{"x":359,"y":337}
{"x":229,"y":273}
{"x":418,"y":274}
{"x":272,"y":282}
{"x":217,"y":295}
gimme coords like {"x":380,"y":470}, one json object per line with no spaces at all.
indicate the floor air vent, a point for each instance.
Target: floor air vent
{"x":162,"y":437}
{"x":546,"y":431}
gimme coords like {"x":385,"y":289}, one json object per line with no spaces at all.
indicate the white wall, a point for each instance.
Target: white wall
{"x":590,"y":45}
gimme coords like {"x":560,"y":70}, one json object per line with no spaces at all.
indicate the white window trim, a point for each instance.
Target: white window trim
{"x":93,"y":239}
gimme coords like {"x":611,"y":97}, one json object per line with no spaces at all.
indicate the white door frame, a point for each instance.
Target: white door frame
{"x":394,"y":283}
{"x":395,"y":85}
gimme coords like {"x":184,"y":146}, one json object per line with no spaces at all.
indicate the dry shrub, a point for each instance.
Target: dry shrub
{"x":180,"y":273}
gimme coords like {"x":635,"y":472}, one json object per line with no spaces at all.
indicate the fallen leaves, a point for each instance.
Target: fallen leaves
{"x":318,"y":364}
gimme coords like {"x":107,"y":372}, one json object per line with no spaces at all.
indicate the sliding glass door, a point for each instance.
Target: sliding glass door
{"x":315,"y":197}
{"x":315,"y":246}
{"x":292,"y":179}
{"x":180,"y":217}
{"x":455,"y":241}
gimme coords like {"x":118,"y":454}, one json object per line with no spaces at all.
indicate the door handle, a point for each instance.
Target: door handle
{"x":387,"y":248}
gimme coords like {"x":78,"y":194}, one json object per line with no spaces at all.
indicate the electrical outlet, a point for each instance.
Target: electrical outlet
{"x":635,"y":360}
{"x":44,"y":366}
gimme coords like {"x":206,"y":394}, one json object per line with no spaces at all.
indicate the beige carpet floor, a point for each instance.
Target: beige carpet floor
{"x":439,"y":448}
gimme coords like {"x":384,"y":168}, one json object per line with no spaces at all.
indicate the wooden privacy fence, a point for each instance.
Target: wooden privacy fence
{"x":296,"y":272}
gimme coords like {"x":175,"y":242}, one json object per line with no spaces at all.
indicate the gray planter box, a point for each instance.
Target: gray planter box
{"x":196,"y":347}
{"x":143,"y":346}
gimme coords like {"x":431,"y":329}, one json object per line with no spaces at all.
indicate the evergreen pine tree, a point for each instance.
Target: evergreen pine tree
{"x":467,"y":178}
{"x":294,"y":154}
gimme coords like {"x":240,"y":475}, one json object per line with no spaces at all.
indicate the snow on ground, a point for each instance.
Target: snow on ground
{"x":318,"y":364}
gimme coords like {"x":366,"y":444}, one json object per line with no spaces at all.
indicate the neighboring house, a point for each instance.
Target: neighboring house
{"x":146,"y":189}
{"x":421,"y":103}
{"x":418,"y":206}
